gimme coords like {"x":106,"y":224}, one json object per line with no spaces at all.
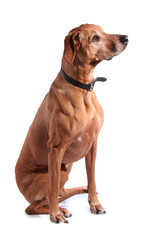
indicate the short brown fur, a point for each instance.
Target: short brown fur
{"x":66,"y":127}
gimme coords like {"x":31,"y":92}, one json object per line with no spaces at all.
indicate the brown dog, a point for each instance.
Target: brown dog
{"x":66,"y":126}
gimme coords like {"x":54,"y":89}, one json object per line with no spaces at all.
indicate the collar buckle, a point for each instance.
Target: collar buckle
{"x":91,"y":86}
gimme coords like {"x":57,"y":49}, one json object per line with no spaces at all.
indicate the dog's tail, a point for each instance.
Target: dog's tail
{"x":71,"y":192}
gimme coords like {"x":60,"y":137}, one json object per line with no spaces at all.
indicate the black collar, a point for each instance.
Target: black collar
{"x":88,"y":87}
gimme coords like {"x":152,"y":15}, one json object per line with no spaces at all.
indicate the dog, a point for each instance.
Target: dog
{"x":66,"y":126}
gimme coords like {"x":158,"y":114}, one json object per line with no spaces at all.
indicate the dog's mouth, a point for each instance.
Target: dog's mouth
{"x":117,"y":50}
{"x":108,"y":59}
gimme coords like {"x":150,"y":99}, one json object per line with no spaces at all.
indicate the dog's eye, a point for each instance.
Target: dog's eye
{"x":96,"y":38}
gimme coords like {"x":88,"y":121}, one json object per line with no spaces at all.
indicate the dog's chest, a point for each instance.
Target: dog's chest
{"x":83,"y":142}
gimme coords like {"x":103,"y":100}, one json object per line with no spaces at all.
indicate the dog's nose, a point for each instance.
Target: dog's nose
{"x":124,"y":39}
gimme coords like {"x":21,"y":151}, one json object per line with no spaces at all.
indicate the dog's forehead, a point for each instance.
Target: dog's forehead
{"x":87,"y":28}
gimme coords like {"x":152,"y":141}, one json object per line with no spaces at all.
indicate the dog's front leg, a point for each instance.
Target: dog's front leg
{"x":55,"y":157}
{"x":90,"y":158}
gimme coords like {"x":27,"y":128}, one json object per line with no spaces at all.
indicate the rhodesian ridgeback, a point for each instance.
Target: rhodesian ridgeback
{"x":66,"y":126}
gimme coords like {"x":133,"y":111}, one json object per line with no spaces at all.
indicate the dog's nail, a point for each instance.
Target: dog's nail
{"x":57,"y":221}
{"x":66,"y":221}
{"x":104,"y":212}
{"x":68,"y":216}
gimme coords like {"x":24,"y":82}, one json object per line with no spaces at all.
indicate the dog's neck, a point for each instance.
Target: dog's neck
{"x":80,"y":73}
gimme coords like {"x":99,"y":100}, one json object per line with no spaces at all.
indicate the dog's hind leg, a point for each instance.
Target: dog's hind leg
{"x":41,"y":207}
{"x":38,"y":207}
{"x":36,"y":193}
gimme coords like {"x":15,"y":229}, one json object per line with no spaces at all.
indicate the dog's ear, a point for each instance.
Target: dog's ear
{"x":71,"y":45}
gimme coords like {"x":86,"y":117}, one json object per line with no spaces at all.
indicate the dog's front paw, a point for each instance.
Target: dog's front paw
{"x":97,"y":208}
{"x":61,"y":216}
{"x":57,"y":218}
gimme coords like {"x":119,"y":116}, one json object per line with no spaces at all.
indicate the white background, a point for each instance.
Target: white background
{"x":128,"y":160}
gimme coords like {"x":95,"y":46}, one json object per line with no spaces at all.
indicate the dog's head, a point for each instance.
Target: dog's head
{"x":89,"y":44}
